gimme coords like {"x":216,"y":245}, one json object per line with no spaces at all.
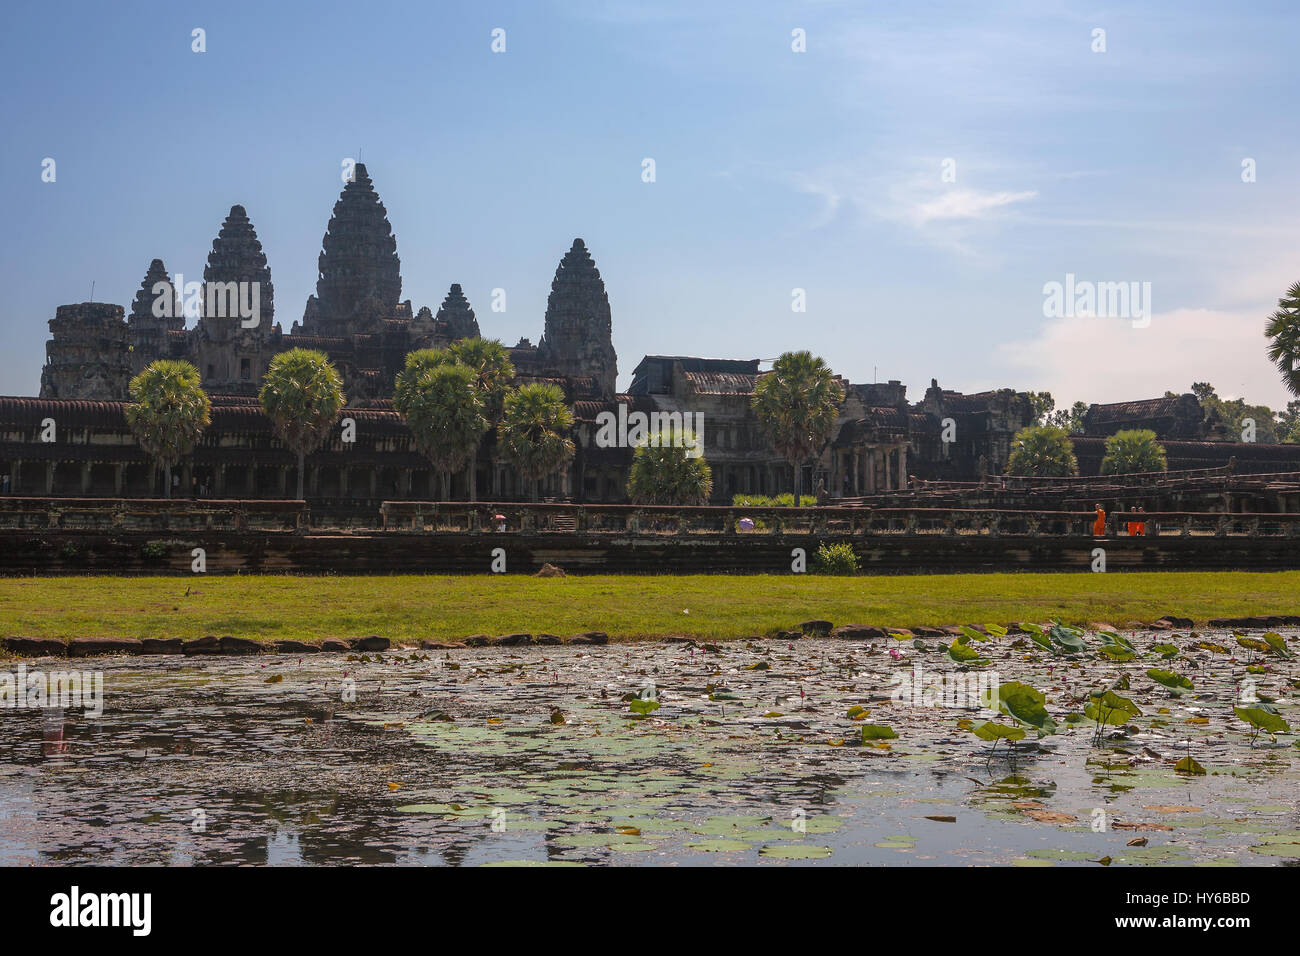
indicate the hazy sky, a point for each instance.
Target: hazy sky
{"x":775,"y":170}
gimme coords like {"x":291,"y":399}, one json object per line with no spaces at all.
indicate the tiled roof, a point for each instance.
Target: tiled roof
{"x":695,"y":363}
{"x":587,"y":410}
{"x":974,"y":402}
{"x":322,"y":342}
{"x":232,"y":412}
{"x":721,"y":383}
{"x":1143,"y":409}
{"x":32,"y":411}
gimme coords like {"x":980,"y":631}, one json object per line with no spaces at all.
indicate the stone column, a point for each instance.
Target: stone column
{"x":119,"y":473}
{"x":15,"y":476}
{"x":49,"y":478}
{"x":343,"y":480}
{"x":284,"y":481}
{"x":889,"y":453}
{"x":187,"y":479}
{"x":219,"y":481}
{"x":902,"y":467}
{"x":85,"y":478}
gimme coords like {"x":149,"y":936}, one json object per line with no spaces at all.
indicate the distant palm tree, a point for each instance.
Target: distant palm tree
{"x":1284,"y":331}
{"x":1042,"y":451}
{"x":796,"y":405}
{"x":663,"y":474}
{"x":534,"y":432}
{"x":302,"y":394}
{"x":493,"y":373}
{"x":444,"y":412}
{"x":168,"y":412}
{"x":1134,"y":451}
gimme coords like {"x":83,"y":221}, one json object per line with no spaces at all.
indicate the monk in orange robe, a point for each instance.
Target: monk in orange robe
{"x":1099,"y":526}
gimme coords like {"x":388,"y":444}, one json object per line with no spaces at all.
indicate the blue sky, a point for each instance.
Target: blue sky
{"x":775,"y":170}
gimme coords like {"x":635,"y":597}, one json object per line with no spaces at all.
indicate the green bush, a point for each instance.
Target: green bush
{"x":780,"y":501}
{"x":1134,"y":451}
{"x":837,"y":559}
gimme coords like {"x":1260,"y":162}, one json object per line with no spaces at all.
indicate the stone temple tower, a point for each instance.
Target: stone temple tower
{"x":146,"y":331}
{"x":577,"y":341}
{"x":456,"y":316}
{"x":232,"y":356}
{"x":358,"y":262}
{"x":87,"y":355}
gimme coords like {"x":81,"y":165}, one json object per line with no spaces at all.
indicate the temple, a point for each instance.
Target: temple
{"x":881,"y":444}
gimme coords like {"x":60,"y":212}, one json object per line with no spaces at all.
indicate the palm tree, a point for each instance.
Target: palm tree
{"x":1284,"y":331}
{"x":302,"y":395}
{"x":444,"y":411}
{"x":1042,"y":451}
{"x":796,"y":405}
{"x":663,"y":474}
{"x":493,"y":373}
{"x":534,"y":432}
{"x":1134,"y":451}
{"x":168,"y":412}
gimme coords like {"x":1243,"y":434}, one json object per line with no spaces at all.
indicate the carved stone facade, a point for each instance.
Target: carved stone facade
{"x":878,"y":444}
{"x":578,"y":341}
{"x":147,"y":332}
{"x":1180,"y":417}
{"x":355,"y":317}
{"x":88,"y":355}
{"x":360,"y":280}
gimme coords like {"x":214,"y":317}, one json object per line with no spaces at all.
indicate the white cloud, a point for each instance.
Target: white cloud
{"x":965,"y":204}
{"x":1108,"y":360}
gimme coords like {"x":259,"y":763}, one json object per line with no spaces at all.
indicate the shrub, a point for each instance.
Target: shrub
{"x":837,"y":559}
{"x":780,"y":501}
{"x":1042,"y":451}
{"x":1135,"y":451}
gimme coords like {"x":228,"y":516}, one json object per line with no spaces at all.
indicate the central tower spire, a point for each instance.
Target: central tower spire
{"x":577,"y":339}
{"x":358,"y":260}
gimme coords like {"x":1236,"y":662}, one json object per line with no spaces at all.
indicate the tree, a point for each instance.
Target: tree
{"x":1283,"y":331}
{"x":1288,"y":422}
{"x":1069,"y":419}
{"x":1042,"y":404}
{"x":168,"y":412}
{"x":493,"y":373}
{"x":663,"y":473}
{"x":1134,"y":451}
{"x":534,"y":432}
{"x":1225,"y":418}
{"x":796,"y":405}
{"x":443,"y":410}
{"x":301,"y":394}
{"x":1042,"y":451}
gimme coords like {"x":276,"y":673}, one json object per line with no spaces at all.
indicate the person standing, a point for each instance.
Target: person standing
{"x":1099,"y":526}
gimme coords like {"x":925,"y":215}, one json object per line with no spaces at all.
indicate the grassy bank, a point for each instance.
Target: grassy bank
{"x":713,"y":606}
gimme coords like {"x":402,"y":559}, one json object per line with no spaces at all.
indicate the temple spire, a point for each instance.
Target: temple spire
{"x":237,"y":257}
{"x":358,"y":259}
{"x":146,"y":328}
{"x":577,"y":341}
{"x":456,"y":317}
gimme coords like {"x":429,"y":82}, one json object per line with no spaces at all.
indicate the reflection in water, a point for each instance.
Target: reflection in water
{"x":270,"y":761}
{"x":53,"y":743}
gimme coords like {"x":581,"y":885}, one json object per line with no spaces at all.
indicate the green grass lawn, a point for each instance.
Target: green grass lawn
{"x":625,"y":606}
